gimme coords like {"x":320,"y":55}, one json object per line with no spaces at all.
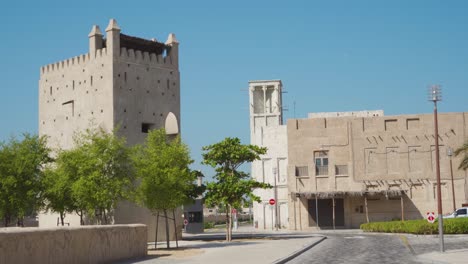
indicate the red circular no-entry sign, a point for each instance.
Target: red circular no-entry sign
{"x":272,"y":201}
{"x":430,"y":217}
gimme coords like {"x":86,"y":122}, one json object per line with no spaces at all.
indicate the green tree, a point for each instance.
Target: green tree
{"x":463,"y":150}
{"x":21,"y":169}
{"x":162,"y":164}
{"x":58,"y":181}
{"x":102,"y":165}
{"x":232,"y":187}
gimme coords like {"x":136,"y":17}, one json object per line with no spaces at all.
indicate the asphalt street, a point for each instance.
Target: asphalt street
{"x":358,"y":248}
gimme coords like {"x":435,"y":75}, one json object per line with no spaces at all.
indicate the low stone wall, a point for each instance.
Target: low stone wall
{"x":84,"y":244}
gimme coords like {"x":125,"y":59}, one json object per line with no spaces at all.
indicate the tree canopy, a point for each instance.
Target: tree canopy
{"x":463,"y":150}
{"x":162,"y":165}
{"x":90,"y":178}
{"x":231,"y":187}
{"x":21,"y":169}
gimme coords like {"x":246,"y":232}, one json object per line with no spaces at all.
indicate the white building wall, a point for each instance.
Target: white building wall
{"x":267,"y":131}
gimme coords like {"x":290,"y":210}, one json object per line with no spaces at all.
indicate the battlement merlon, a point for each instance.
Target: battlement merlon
{"x":95,"y":40}
{"x":131,"y":48}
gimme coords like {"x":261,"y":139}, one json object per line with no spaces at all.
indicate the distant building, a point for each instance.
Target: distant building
{"x":345,"y":171}
{"x":193,"y":213}
{"x":122,"y":81}
{"x":342,"y":169}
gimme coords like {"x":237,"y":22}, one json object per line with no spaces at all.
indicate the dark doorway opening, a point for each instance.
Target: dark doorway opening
{"x":325,"y":212}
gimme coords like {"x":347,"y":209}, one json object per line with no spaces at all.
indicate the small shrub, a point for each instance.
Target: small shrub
{"x":208,"y":225}
{"x":451,"y":226}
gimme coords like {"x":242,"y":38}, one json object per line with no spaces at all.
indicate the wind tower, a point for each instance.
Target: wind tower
{"x":267,"y":130}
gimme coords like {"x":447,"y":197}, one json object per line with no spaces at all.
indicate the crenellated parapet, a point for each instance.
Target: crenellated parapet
{"x":124,"y":48}
{"x":74,"y":61}
{"x":139,"y":57}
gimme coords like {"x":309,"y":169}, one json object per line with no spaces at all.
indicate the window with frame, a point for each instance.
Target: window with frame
{"x":321,"y":162}
{"x":302,"y":171}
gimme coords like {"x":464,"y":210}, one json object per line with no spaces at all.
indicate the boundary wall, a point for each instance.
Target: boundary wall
{"x":84,"y":244}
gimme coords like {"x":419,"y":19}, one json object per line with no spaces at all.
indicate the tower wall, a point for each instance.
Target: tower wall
{"x":73,"y":94}
{"x":266,"y":130}
{"x":125,"y":82}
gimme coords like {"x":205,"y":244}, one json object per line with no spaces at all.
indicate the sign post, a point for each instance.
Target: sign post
{"x":272,"y":205}
{"x":234,"y":217}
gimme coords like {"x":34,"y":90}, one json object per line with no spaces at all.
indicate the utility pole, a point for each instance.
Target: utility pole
{"x":434,"y":96}
{"x":450,"y":154}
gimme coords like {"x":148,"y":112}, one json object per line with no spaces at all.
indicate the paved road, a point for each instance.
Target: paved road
{"x":358,"y":248}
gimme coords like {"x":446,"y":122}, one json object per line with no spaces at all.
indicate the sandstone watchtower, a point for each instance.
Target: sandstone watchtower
{"x":122,"y":81}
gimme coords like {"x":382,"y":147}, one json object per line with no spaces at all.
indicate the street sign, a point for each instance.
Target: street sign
{"x":430,"y":217}
{"x":185,"y":222}
{"x":272,"y":201}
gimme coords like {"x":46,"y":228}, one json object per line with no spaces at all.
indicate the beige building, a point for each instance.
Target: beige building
{"x":348,"y":168}
{"x":123,"y":81}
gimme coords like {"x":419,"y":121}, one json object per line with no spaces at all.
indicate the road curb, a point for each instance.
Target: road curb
{"x":298,"y":252}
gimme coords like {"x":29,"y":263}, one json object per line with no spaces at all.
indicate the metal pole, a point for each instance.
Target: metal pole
{"x":300,"y":214}
{"x":295,"y":220}
{"x":333,"y":201}
{"x":316,"y":211}
{"x":365,"y":205}
{"x":402,"y":207}
{"x":272,"y":225}
{"x":453,"y":185}
{"x":439,"y":193}
{"x":276,"y":199}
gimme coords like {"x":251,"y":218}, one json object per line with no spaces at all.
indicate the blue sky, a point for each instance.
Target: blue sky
{"x":330,"y":55}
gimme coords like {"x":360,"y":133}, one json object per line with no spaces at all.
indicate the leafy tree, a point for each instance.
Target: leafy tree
{"x":166,"y":180}
{"x":463,"y":150}
{"x":58,"y":181}
{"x":104,"y":173}
{"x":21,"y":169}
{"x":232,"y":187}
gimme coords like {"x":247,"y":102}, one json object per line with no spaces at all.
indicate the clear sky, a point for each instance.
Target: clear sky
{"x":330,"y":55}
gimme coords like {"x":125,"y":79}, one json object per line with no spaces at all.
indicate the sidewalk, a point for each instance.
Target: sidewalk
{"x":251,"y":245}
{"x":248,"y":246}
{"x":449,"y":256}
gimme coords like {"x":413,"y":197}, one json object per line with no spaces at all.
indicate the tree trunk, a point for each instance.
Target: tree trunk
{"x":104,"y":216}
{"x":62,"y":216}
{"x":227,"y":226}
{"x":156,"y":232}
{"x":80,"y":213}
{"x":175,"y":228}
{"x":230,"y":223}
{"x":167,"y":228}
{"x":6,"y":220}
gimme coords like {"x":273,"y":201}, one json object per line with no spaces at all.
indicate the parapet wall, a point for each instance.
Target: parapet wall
{"x":77,"y":60}
{"x":145,"y":57}
{"x":127,"y":55}
{"x":84,"y":244}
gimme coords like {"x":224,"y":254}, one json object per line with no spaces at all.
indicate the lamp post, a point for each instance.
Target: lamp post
{"x":434,"y":96}
{"x":450,"y":154}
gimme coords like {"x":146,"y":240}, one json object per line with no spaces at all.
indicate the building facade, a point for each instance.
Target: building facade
{"x":267,"y":130}
{"x":123,"y":81}
{"x":349,"y":169}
